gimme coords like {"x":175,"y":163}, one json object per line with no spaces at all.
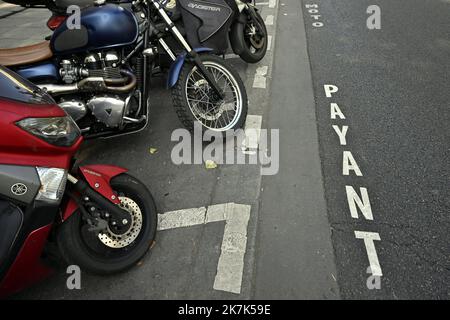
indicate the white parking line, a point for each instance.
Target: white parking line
{"x":234,"y":244}
{"x":260,"y":77}
{"x":231,"y":56}
{"x":272,"y":3}
{"x":181,"y":218}
{"x":231,"y":261}
{"x":269,"y":43}
{"x":252,"y":134}
{"x":269,"y":20}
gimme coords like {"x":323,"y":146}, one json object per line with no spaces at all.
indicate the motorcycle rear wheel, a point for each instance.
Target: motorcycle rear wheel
{"x":192,"y":97}
{"x":105,"y":254}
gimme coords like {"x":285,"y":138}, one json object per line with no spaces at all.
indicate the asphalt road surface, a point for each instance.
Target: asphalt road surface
{"x":394,"y":93}
{"x":306,"y":229}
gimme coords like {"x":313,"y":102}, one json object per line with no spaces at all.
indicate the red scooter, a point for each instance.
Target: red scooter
{"x":100,"y":218}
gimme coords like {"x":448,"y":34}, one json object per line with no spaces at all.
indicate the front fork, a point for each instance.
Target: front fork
{"x":195,"y":57}
{"x":90,"y":195}
{"x":252,"y":10}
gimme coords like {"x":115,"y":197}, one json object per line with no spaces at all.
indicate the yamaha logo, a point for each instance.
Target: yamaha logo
{"x":19,"y":189}
{"x":203,"y":7}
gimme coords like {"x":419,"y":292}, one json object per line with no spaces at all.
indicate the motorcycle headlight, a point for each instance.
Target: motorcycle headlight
{"x":53,"y":184}
{"x":61,"y":131}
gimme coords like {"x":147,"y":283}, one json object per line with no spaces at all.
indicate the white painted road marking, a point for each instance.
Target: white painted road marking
{"x":231,"y":261}
{"x":313,"y":10}
{"x":260,"y":77}
{"x":369,"y":238}
{"x":272,"y":3}
{"x":335,"y":111}
{"x":342,"y":134}
{"x":269,"y":43}
{"x":269,"y":20}
{"x":354,"y":201}
{"x":253,"y":124}
{"x":181,"y":218}
{"x":231,"y":56}
{"x":330,"y":89}
{"x":362,"y":202}
{"x":349,"y":164}
{"x":234,"y":244}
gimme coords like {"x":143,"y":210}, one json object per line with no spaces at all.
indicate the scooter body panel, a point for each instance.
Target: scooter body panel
{"x":99,"y":178}
{"x":23,"y":148}
{"x":20,"y":153}
{"x":27,"y":268}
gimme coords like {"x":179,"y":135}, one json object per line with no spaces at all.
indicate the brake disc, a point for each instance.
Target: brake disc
{"x":116,"y":241}
{"x":256,"y":40}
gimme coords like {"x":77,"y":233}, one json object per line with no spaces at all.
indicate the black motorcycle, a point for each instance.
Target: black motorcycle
{"x":206,"y":23}
{"x":100,"y":72}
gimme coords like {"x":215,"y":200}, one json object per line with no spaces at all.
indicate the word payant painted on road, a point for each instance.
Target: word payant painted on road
{"x":358,"y":200}
{"x":313,"y":10}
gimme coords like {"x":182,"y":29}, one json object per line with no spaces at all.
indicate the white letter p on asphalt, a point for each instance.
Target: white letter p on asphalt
{"x":330,"y":89}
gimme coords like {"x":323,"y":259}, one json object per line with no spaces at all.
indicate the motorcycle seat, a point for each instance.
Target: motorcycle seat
{"x":25,"y":55}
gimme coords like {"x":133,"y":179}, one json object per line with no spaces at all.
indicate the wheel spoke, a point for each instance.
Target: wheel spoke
{"x":212,"y":115}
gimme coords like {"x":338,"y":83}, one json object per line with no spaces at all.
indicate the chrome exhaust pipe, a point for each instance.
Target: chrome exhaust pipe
{"x":94,"y":84}
{"x":56,"y":89}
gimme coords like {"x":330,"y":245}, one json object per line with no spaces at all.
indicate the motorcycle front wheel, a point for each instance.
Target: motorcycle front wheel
{"x":193,"y":97}
{"x":255,"y":40}
{"x":109,"y":252}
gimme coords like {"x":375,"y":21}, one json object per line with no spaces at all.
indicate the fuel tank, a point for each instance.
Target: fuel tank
{"x":101,"y":27}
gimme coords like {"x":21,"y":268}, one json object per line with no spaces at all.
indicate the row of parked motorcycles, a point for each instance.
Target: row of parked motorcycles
{"x":91,"y":79}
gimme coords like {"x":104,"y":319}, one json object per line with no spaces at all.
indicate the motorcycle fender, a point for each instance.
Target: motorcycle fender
{"x":237,"y":34}
{"x":175,"y":68}
{"x":98,"y":177}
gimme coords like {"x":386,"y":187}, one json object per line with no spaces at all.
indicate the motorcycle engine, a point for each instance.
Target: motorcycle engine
{"x":106,"y":109}
{"x":97,"y":64}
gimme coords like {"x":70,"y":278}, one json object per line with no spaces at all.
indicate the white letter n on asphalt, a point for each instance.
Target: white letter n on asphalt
{"x":363,"y":204}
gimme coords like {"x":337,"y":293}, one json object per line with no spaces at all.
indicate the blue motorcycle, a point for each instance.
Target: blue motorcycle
{"x":99,"y":71}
